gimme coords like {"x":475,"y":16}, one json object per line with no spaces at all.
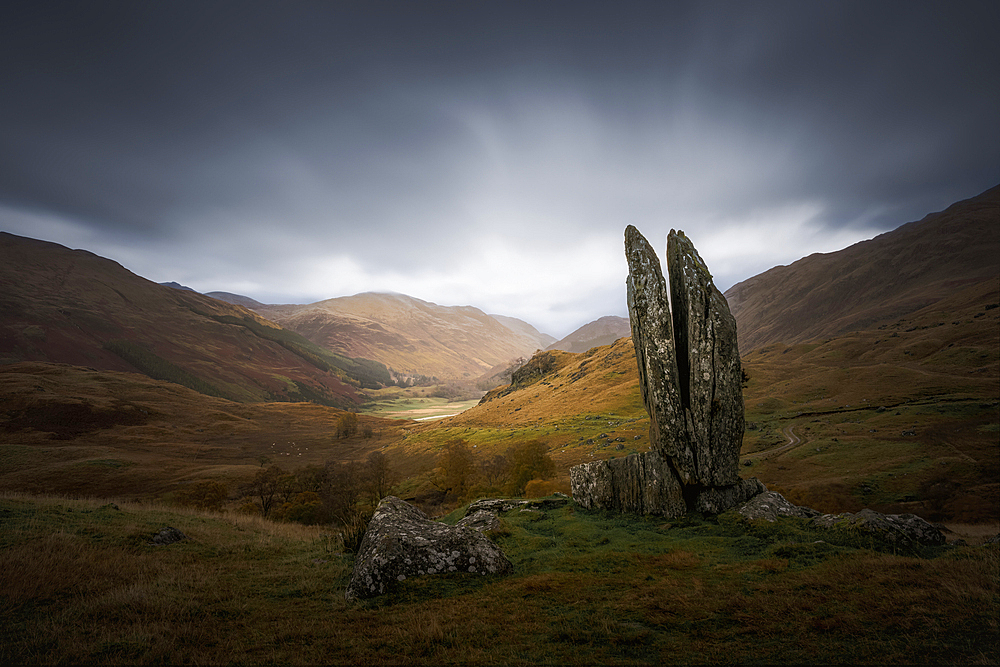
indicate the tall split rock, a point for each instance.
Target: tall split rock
{"x":691,"y":378}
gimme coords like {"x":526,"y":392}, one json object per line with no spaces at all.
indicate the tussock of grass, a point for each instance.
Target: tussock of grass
{"x":79,"y":583}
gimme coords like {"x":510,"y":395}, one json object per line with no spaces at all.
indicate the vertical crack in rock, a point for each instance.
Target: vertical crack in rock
{"x":690,"y":377}
{"x":706,"y":331}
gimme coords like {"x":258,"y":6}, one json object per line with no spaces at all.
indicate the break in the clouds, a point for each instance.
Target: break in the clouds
{"x":489,"y":153}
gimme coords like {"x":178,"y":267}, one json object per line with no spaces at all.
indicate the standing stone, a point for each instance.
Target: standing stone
{"x":656,"y":355}
{"x":708,"y":362}
{"x":691,"y":381}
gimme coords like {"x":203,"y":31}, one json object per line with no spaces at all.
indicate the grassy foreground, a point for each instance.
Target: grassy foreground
{"x":80,"y":583}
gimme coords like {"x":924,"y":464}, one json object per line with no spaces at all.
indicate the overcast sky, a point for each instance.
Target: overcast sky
{"x":485,"y":153}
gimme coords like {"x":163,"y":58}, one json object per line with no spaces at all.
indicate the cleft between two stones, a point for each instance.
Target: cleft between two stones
{"x":691,"y":377}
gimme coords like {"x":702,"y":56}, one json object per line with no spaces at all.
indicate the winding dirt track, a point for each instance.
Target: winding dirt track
{"x":793,"y":441}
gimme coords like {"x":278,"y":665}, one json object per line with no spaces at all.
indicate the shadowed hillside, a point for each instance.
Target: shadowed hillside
{"x":71,"y":306}
{"x":81,"y":432}
{"x":874,"y":282}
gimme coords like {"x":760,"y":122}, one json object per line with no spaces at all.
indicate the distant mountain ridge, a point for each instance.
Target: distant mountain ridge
{"x":235,"y":299}
{"x":875,"y":282}
{"x":71,"y":306}
{"x":411,"y":336}
{"x":602,"y":331}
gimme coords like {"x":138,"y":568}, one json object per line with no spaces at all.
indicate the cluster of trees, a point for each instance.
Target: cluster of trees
{"x":317,"y":494}
{"x":461,"y":476}
{"x":348,"y":426}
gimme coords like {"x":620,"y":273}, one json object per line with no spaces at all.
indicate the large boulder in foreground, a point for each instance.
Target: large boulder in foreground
{"x":401,"y":542}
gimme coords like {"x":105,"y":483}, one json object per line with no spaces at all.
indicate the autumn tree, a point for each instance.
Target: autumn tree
{"x":528,"y":460}
{"x":456,"y":469}
{"x":379,"y":477}
{"x":205,"y":494}
{"x":347,"y":425}
{"x":494,"y":472}
{"x":264,"y":487}
{"x":342,"y":489}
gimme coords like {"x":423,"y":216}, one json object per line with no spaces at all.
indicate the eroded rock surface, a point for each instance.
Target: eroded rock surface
{"x":691,"y":381}
{"x":901,"y":529}
{"x":639,"y":483}
{"x":769,"y":505}
{"x":401,"y":542}
{"x":167,"y":535}
{"x":655,"y":351}
{"x":719,"y":499}
{"x":708,"y":367}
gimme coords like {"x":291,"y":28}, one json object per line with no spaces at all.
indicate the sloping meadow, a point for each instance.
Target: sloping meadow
{"x":80,"y":582}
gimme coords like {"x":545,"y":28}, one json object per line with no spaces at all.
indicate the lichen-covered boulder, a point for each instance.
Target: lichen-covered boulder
{"x":769,"y":505}
{"x":639,"y":483}
{"x":900,"y":529}
{"x":401,"y":542}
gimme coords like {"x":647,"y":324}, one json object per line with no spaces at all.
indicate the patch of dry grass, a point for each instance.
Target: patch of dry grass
{"x":79,"y":583}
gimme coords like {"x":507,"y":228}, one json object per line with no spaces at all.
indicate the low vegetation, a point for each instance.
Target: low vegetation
{"x":80,"y":582}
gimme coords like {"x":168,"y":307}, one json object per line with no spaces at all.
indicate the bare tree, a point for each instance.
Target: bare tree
{"x":379,"y":476}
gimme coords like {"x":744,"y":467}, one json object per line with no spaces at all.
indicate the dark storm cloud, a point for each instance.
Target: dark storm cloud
{"x":477,"y":152}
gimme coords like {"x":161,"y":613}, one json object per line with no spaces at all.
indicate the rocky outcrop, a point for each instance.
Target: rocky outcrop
{"x":401,"y":542}
{"x":769,"y":505}
{"x":638,"y":483}
{"x":719,"y":499}
{"x":691,"y":382}
{"x":166,"y":536}
{"x":905,"y":530}
{"x":899,"y":529}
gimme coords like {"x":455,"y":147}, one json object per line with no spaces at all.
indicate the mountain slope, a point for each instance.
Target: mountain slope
{"x":413,"y":337}
{"x":874,"y":282}
{"x":603,"y":331}
{"x":521,"y":327}
{"x":74,"y":307}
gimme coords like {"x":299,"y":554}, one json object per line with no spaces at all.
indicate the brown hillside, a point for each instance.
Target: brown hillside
{"x":71,"y":306}
{"x":411,"y":336}
{"x":874,"y":282}
{"x":76,"y":431}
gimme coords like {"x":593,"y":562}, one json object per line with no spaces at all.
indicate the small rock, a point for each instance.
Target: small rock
{"x":769,"y":505}
{"x":168,"y":535}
